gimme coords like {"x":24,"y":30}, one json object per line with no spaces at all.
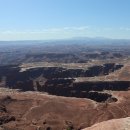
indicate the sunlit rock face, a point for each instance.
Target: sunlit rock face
{"x":115,"y":124}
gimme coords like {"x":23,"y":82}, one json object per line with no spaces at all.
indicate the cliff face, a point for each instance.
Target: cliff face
{"x":91,"y":90}
{"x":60,"y":81}
{"x":102,"y":70}
{"x":56,"y":72}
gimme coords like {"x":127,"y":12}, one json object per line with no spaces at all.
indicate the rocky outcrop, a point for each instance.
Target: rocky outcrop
{"x":90,"y":90}
{"x":24,"y":80}
{"x":2,"y":108}
{"x":102,"y":70}
{"x":6,"y":119}
{"x":60,"y":81}
{"x":5,"y":116}
{"x":114,"y":124}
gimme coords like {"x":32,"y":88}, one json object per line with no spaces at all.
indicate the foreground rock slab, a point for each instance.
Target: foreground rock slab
{"x":115,"y":124}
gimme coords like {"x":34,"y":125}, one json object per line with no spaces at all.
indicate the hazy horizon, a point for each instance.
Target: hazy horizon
{"x":98,"y":39}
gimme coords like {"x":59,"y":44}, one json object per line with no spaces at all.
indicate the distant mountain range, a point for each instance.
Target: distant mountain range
{"x":75,"y":40}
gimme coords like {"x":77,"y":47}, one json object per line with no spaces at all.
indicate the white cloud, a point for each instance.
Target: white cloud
{"x":47,"y":30}
{"x":65,"y":32}
{"x":125,"y":28}
{"x":82,"y":28}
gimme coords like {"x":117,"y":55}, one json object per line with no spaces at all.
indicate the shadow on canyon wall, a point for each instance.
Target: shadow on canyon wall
{"x":60,"y":81}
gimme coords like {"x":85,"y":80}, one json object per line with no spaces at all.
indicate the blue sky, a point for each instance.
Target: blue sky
{"x":59,"y":19}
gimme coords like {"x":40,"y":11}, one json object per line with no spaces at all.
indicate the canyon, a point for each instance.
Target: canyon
{"x":78,"y":87}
